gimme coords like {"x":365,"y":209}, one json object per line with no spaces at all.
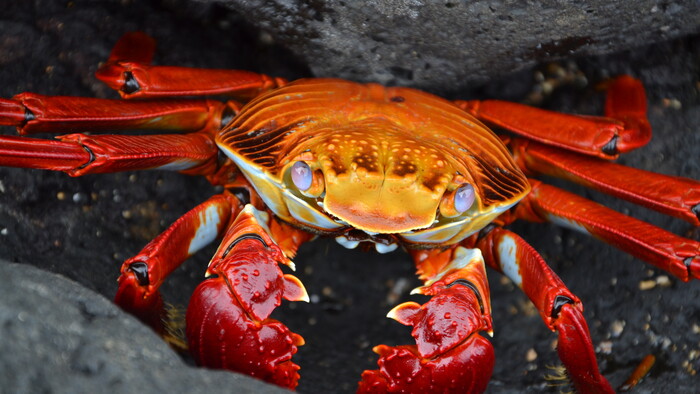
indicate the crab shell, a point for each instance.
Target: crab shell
{"x":384,"y":160}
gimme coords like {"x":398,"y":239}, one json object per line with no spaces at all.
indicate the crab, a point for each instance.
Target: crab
{"x":376,"y":167}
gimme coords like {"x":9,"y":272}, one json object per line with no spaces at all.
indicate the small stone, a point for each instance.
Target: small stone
{"x":663,"y":281}
{"x":604,"y":347}
{"x":617,"y":327}
{"x":531,"y":355}
{"x":647,"y":284}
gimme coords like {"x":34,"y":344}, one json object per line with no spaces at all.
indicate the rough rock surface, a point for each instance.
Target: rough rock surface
{"x":452,"y":43}
{"x":86,"y":344}
{"x":84,"y":227}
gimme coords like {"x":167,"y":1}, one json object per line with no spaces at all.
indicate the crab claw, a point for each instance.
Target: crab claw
{"x":464,"y":369}
{"x":222,"y":335}
{"x":449,"y":355}
{"x":228,"y":319}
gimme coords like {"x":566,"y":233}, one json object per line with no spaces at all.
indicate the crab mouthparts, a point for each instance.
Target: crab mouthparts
{"x":383,"y":243}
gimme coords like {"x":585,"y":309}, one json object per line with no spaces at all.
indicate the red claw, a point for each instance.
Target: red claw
{"x":254,"y":277}
{"x":228,"y":319}
{"x":221,"y":335}
{"x":450,"y":355}
{"x":463,"y":369}
{"x":448,"y":319}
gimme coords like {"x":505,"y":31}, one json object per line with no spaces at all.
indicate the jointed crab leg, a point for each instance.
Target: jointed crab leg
{"x":44,"y":154}
{"x":79,"y":154}
{"x":228,"y":324}
{"x":34,"y":113}
{"x":140,"y":81}
{"x":128,"y":72}
{"x":677,"y":255}
{"x":142,"y":275}
{"x":625,"y":128}
{"x":560,"y":309}
{"x":675,"y":196}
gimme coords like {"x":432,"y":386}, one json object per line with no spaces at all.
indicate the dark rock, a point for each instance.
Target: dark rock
{"x":59,"y":337}
{"x":449,"y":44}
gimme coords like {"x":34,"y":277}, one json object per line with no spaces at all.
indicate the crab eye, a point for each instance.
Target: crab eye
{"x":464,"y":198}
{"x":457,"y":201}
{"x":302,"y":175}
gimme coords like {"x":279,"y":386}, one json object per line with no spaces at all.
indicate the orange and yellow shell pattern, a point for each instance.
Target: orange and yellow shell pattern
{"x":382,"y":160}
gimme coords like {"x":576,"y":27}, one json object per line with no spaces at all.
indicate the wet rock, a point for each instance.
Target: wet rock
{"x":64,"y":338}
{"x":449,"y":44}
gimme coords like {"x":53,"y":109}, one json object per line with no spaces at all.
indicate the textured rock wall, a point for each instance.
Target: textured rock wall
{"x":452,"y":43}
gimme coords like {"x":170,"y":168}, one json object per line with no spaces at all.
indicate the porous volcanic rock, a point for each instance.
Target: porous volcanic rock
{"x":59,"y":337}
{"x":452,"y":43}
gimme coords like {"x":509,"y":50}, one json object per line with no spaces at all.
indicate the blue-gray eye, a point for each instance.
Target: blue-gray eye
{"x":302,"y":176}
{"x":464,"y":198}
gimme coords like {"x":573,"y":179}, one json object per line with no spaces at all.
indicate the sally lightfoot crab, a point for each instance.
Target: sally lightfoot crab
{"x":368,"y":165}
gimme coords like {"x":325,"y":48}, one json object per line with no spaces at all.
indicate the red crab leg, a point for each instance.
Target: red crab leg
{"x":128,"y":71}
{"x":246,"y":284}
{"x":677,"y":255}
{"x":142,"y":275}
{"x":675,"y":196}
{"x":79,"y":154}
{"x":449,"y":354}
{"x":34,"y":113}
{"x":560,"y":309}
{"x":625,"y":128}
{"x":228,"y":319}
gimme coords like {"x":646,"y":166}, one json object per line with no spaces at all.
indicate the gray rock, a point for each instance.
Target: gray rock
{"x":449,"y":44}
{"x":59,"y":337}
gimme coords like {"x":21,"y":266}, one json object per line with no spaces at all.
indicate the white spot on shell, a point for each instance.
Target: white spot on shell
{"x":509,"y":263}
{"x":208,"y":230}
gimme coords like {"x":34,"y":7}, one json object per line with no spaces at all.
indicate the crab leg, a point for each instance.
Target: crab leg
{"x":79,"y":154}
{"x":677,"y":255}
{"x":128,"y":71}
{"x":33,"y":113}
{"x":560,"y":309}
{"x":675,"y":196}
{"x":449,"y":354}
{"x":228,"y":319}
{"x":142,"y":275}
{"x":624,"y":128}
{"x":228,"y":324}
{"x":43,"y":154}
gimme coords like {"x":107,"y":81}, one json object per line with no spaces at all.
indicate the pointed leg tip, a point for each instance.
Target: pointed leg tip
{"x":693,"y":265}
